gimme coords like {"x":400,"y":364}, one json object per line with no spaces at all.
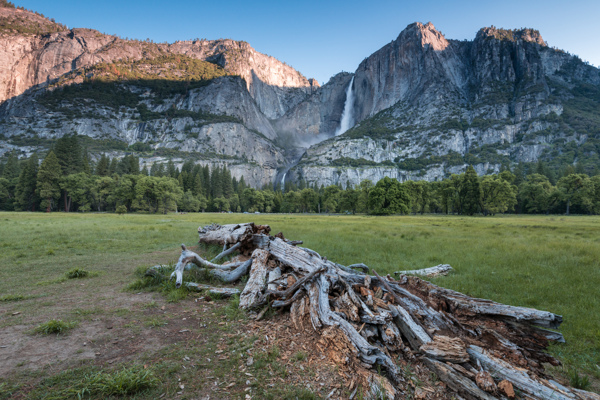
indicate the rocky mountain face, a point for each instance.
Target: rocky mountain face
{"x":427,"y":107}
{"x":36,"y":63}
{"x":424,"y":106}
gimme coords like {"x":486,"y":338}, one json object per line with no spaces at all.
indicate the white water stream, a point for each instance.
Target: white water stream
{"x":347,"y":121}
{"x":283,"y":181}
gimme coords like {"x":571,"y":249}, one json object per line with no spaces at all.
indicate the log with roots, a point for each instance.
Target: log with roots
{"x":375,"y":326}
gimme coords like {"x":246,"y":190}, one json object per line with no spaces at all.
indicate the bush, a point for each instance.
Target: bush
{"x":121,"y":210}
{"x":55,"y":326}
{"x":86,"y":383}
{"x":128,"y":381}
{"x":14,"y":297}
{"x":77,"y":273}
{"x":578,"y":381}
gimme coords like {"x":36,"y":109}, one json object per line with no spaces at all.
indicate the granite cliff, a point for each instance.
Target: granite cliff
{"x":424,"y":106}
{"x":427,"y":107}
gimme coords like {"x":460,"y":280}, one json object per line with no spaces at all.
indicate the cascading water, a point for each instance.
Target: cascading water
{"x":347,"y":121}
{"x":283,"y":181}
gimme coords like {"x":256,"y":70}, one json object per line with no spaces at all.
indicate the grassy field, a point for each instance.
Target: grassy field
{"x":549,"y":263}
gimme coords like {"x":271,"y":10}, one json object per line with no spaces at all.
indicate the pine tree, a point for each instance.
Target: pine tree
{"x":10,"y":172}
{"x":48,"y":180}
{"x":541,"y":169}
{"x":102,"y":167}
{"x":69,"y":154}
{"x":470,"y":192}
{"x":227,"y":183}
{"x":206,"y":180}
{"x":86,"y":163}
{"x":25,"y":192}
{"x":112,"y":168}
{"x":187,"y":166}
{"x":198,"y":186}
{"x":216,"y":183}
{"x":520,"y":173}
{"x":241,"y":186}
{"x":172,"y":170}
{"x":154,"y":170}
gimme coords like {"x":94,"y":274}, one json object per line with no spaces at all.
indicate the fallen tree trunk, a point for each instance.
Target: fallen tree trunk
{"x":371,"y":325}
{"x":226,"y":251}
{"x":431,"y":272}
{"x":219,"y":291}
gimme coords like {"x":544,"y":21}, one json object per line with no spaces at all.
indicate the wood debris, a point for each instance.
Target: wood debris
{"x":371,"y":325}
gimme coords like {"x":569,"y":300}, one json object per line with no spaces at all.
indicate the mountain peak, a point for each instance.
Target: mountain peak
{"x":426,"y":34}
{"x":512,"y":35}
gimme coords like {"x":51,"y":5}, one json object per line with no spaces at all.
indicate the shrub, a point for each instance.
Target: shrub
{"x":54,"y":326}
{"x":14,"y":297}
{"x":127,"y":381}
{"x":578,"y":381}
{"x":77,"y":273}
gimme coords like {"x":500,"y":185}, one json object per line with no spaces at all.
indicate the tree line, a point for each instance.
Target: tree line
{"x":67,"y":180}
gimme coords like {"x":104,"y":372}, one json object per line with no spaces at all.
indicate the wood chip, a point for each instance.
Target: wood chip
{"x":507,"y":388}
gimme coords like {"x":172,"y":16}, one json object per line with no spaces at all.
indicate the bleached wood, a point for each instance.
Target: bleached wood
{"x":521,"y":380}
{"x":232,"y":276}
{"x":367,"y":318}
{"x":431,"y":272}
{"x":290,"y":301}
{"x":226,"y":234}
{"x":368,"y":354}
{"x":187,"y":257}
{"x":223,"y":275}
{"x":478,"y":306}
{"x":220,"y":291}
{"x":256,"y":285}
{"x":444,"y":348}
{"x":412,"y":331}
{"x":360,"y":266}
{"x":285,"y":293}
{"x":456,"y":381}
{"x":227,"y":252}
{"x":273,"y":276}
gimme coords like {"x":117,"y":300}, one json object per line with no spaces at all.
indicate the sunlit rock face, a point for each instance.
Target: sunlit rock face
{"x":421,"y":107}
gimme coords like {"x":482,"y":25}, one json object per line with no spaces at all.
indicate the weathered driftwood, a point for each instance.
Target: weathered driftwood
{"x":230,"y":234}
{"x":256,"y":285}
{"x":227,"y":251}
{"x":372,"y":323}
{"x":232,"y":276}
{"x":274,"y":275}
{"x":430,"y":272}
{"x":188,"y":257}
{"x":458,"y":382}
{"x":220,"y":291}
{"x":534,"y":387}
{"x":444,"y":348}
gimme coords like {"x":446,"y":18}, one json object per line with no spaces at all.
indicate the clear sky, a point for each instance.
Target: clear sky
{"x":322,"y":38}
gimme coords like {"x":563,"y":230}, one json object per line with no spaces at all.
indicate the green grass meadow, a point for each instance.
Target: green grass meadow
{"x":549,"y":263}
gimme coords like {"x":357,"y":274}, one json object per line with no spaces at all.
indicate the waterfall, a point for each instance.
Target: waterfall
{"x":283,"y":181}
{"x":347,"y":121}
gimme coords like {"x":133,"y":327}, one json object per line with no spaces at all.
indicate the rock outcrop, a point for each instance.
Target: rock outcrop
{"x":427,"y":107}
{"x":424,"y":106}
{"x":28,"y":60}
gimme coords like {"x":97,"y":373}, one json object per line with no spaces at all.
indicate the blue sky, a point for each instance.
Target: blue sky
{"x":322,"y":38}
